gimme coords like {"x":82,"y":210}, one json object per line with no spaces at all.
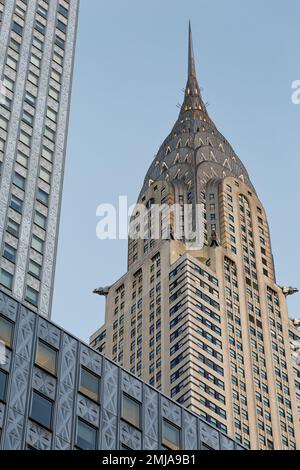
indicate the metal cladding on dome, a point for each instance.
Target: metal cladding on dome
{"x":195,"y":151}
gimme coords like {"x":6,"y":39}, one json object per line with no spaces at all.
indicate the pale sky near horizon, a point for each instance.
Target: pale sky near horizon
{"x":131,"y":67}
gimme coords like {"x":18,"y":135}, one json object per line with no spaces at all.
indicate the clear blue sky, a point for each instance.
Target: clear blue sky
{"x":130,"y":70}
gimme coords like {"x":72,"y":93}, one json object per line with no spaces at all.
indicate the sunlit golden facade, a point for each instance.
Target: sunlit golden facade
{"x":208,"y":326}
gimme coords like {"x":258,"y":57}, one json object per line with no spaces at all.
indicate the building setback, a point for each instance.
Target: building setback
{"x":58,"y":393}
{"x":37,"y":42}
{"x":208,"y":326}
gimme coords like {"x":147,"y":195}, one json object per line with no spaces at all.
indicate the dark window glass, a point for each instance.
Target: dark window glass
{"x":19,"y":181}
{"x":63,"y":11}
{"x":16,"y":203}
{"x":42,"y":196}
{"x":17,"y":28}
{"x":31,"y":295}
{"x":3,"y":380}
{"x":9,"y":253}
{"x":61,"y":26}
{"x":41,"y":410}
{"x":86,"y":435}
{"x":6,"y":279}
{"x":59,"y":42}
{"x":89,"y":384}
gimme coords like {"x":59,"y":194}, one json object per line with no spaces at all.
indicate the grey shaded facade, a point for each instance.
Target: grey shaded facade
{"x":24,"y":377}
{"x":37,"y":42}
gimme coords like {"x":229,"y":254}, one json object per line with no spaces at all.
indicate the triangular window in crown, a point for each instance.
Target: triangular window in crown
{"x":176,"y":160}
{"x":212,"y":156}
{"x":164,"y":167}
{"x":168,"y":150}
{"x":177,"y":174}
{"x":213,"y":172}
{"x":178,"y":144}
{"x":226,"y":163}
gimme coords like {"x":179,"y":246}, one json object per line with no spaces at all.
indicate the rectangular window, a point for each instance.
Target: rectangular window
{"x":8,"y":84}
{"x":41,"y":410}
{"x":33,"y":78}
{"x":34,"y":269}
{"x":6,"y":279}
{"x":22,"y":159}
{"x":9,"y":253}
{"x":12,"y":63}
{"x":35,"y":60}
{"x":32,"y":296}
{"x":62,"y":10}
{"x":28,"y":118}
{"x":131,"y":410}
{"x":16,"y":28}
{"x":170,"y":435}
{"x":3,"y":123}
{"x":45,"y":175}
{"x":61,"y":26}
{"x":49,"y":134}
{"x":46,"y":357}
{"x":40,"y":220}
{"x":30,"y":99}
{"x":25,"y":138}
{"x":12,"y":227}
{"x":46,"y":153}
{"x":58,"y":59}
{"x":37,"y":244}
{"x":14,"y":45}
{"x":6,"y":331}
{"x":37,"y":43}
{"x":86,"y":435}
{"x":51,"y":115}
{"x":39,"y":27}
{"x":54,"y":94}
{"x":3,"y":382}
{"x":16,"y":203}
{"x":89,"y":384}
{"x":42,"y":196}
{"x":19,"y":181}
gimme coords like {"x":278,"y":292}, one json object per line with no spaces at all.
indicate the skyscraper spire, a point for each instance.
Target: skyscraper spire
{"x":193,"y":107}
{"x":192,"y":68}
{"x":194,"y":128}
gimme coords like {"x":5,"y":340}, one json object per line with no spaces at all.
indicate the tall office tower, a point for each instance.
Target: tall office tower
{"x":37,"y":40}
{"x":207,"y":326}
